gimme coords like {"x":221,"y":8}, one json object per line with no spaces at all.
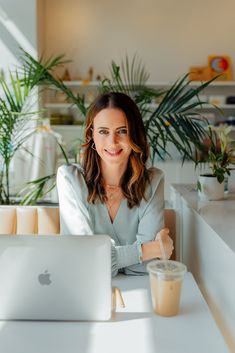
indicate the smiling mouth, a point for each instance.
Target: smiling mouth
{"x":113,"y":153}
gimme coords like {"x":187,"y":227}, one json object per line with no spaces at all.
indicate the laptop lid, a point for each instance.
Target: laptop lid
{"x":55,"y":277}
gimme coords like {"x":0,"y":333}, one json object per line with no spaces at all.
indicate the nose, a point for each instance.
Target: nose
{"x":113,"y":138}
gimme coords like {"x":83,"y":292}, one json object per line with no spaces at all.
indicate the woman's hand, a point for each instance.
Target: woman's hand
{"x":152,"y":249}
{"x":167,"y":243}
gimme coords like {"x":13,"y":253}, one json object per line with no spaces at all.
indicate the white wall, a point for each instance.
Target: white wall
{"x":17,"y":28}
{"x":169,"y":35}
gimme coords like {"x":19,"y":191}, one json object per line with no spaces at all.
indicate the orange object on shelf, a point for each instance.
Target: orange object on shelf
{"x":220,"y":65}
{"x":199,"y":73}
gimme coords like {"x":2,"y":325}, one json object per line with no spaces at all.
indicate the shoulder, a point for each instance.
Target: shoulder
{"x":156,"y":182}
{"x":70,"y":169}
{"x":155,"y":176}
{"x":72,"y":173}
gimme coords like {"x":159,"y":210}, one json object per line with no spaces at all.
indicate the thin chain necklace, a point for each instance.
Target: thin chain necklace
{"x":114,"y":195}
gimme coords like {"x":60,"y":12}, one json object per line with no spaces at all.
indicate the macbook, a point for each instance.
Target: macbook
{"x":55,"y":277}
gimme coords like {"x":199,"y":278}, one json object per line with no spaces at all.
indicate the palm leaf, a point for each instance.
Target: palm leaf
{"x":15,"y":114}
{"x":36,"y":189}
{"x":42,"y":72}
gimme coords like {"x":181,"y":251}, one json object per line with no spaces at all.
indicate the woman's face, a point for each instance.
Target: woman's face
{"x":110,"y":135}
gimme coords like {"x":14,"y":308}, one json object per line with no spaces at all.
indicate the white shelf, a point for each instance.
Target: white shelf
{"x":152,"y":105}
{"x":151,"y":83}
{"x":67,"y":127}
{"x":204,"y":106}
{"x":220,"y":106}
{"x":62,"y":105}
{"x":82,"y":83}
{"x":58,"y":105}
{"x":215,"y":83}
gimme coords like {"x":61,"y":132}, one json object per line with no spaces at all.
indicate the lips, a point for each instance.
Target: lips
{"x":114,"y":153}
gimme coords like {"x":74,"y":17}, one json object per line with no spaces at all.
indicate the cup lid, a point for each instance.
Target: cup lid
{"x":163,"y":267}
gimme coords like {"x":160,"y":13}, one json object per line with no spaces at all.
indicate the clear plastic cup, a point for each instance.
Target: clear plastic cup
{"x":166,"y":278}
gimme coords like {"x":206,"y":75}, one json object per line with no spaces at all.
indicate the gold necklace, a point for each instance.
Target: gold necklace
{"x":114,"y":196}
{"x":112,"y":190}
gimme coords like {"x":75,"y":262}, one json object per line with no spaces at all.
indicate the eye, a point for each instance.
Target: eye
{"x":122,"y":132}
{"x":103,"y":132}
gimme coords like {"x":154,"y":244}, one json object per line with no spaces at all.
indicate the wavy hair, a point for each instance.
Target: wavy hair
{"x":136,"y":176}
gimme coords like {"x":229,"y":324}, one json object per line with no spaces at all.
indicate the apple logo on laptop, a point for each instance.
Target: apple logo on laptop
{"x":44,"y":278}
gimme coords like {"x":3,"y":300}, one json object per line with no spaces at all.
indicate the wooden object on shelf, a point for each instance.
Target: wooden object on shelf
{"x":199,"y":73}
{"x":90,"y":73}
{"x":66,"y":75}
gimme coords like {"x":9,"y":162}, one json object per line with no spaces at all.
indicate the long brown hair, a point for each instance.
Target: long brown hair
{"x":136,"y":176}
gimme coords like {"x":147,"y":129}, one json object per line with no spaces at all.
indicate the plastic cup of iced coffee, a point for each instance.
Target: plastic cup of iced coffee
{"x":166,"y":278}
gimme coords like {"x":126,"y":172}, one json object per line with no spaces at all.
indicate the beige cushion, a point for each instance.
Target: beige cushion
{"x":27,"y":222}
{"x":7,"y":220}
{"x":48,"y":220}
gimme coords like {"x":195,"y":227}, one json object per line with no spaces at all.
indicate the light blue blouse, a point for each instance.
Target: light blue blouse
{"x":131,"y":227}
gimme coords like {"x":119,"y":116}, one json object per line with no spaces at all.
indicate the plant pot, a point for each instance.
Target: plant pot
{"x":211,"y":189}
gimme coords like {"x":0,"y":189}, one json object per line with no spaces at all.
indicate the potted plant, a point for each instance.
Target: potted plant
{"x":218,"y":154}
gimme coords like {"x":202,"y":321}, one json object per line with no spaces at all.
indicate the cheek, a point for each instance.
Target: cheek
{"x":127,"y":149}
{"x":97,"y":140}
{"x":126,"y":145}
{"x":99,"y":145}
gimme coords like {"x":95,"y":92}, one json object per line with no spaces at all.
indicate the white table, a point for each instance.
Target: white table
{"x":135,"y":328}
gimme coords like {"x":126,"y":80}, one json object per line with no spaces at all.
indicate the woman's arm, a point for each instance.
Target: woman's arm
{"x":154,"y":249}
{"x":151,"y":221}
{"x":74,"y":216}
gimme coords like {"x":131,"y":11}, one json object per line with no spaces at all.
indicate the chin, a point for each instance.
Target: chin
{"x":115,"y":160}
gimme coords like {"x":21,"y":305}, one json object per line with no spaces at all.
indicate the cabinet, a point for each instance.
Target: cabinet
{"x":206,"y":236}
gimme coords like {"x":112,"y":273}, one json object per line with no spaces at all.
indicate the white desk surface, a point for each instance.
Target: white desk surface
{"x":135,"y":329}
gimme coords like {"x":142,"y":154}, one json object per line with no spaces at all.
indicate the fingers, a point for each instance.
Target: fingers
{"x":162,"y":234}
{"x":167,"y":244}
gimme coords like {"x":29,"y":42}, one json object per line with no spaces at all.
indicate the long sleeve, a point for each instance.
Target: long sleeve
{"x":151,"y":221}
{"x":75,"y":218}
{"x":74,"y":215}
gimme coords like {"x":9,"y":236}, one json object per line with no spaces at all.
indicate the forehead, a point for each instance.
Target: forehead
{"x":110,"y":118}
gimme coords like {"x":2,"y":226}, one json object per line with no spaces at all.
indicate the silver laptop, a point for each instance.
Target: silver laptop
{"x":55,"y":277}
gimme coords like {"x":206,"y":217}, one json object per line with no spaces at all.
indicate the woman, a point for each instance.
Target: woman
{"x":113,"y":192}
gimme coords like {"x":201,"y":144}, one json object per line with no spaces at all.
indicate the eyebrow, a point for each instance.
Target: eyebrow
{"x":120,"y":127}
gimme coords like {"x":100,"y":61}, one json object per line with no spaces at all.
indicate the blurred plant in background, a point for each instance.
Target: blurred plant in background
{"x":16,"y":116}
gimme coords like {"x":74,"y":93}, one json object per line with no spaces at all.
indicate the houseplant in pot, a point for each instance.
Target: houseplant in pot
{"x":219,"y":157}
